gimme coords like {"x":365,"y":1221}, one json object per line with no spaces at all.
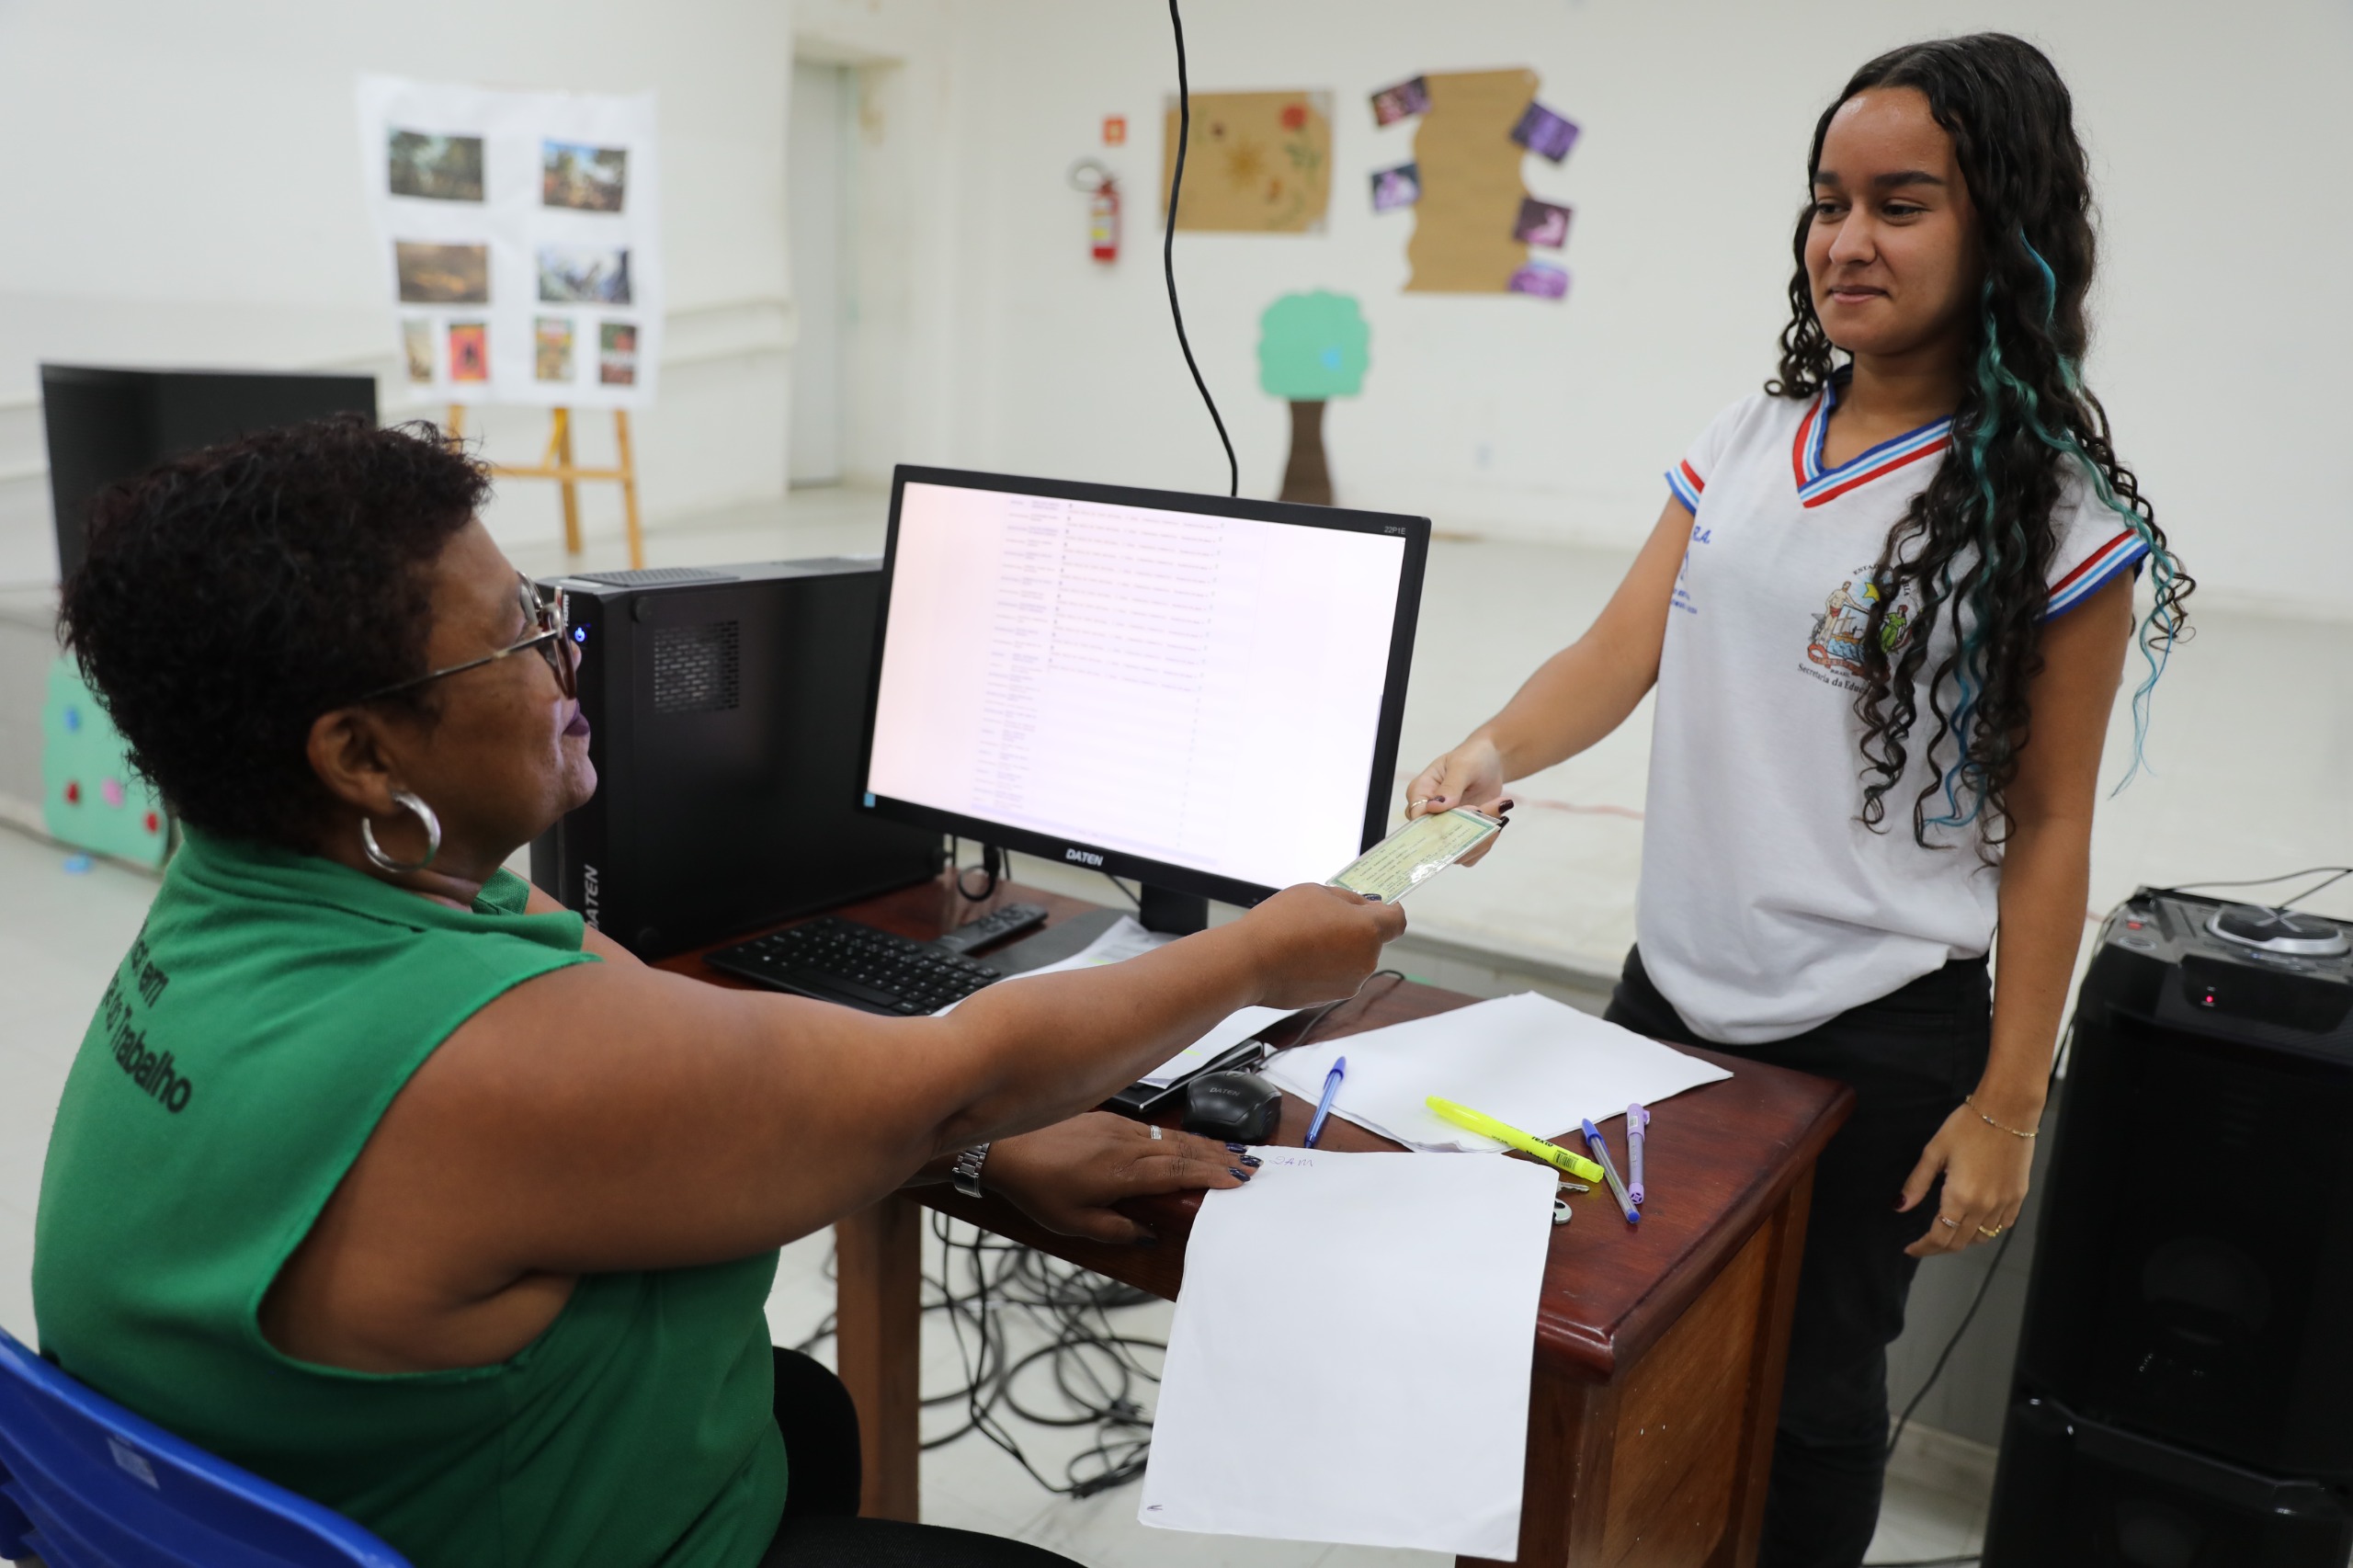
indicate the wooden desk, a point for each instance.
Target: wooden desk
{"x":1658,"y":1348}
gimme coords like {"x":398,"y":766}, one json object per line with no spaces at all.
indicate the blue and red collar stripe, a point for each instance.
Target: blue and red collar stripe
{"x":1817,"y":484}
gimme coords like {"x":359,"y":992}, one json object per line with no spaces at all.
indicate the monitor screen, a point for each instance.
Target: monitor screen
{"x":110,"y":423}
{"x":1198,"y":691}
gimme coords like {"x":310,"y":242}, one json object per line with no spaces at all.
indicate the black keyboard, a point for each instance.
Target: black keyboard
{"x":857,"y":966}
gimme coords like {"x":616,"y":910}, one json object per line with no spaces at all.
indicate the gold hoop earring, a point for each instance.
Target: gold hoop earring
{"x":383,"y":862}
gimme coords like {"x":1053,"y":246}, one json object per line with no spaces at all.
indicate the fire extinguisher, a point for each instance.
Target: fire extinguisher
{"x":1102,"y":208}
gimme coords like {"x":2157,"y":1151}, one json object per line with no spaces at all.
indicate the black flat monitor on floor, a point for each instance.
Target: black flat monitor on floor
{"x":105,"y":424}
{"x":1198,"y":692}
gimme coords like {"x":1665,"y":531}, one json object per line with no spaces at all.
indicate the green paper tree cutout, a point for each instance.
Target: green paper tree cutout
{"x":1312,"y":347}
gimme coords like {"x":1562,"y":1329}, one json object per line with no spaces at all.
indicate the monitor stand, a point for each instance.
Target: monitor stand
{"x":1179,"y":913}
{"x":1176,"y":913}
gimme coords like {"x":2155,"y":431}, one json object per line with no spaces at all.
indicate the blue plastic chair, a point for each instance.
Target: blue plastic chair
{"x":85,"y":1483}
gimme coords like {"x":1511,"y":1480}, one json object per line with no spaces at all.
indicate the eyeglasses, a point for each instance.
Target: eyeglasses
{"x":549,"y":612}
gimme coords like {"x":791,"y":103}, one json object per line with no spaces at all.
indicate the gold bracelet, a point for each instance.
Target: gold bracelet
{"x":1971,"y":1101}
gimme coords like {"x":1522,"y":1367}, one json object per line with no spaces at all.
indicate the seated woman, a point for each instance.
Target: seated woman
{"x":380,"y":1175}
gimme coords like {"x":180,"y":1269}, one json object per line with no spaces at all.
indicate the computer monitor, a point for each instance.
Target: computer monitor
{"x":1198,"y":692}
{"x":108,"y":424}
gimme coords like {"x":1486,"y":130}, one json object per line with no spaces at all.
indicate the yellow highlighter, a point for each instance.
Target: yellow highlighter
{"x":1464,"y":1116}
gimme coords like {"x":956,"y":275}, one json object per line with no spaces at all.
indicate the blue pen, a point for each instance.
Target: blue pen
{"x":1324,"y":1107}
{"x":1637,"y":1119}
{"x":1609,"y":1170}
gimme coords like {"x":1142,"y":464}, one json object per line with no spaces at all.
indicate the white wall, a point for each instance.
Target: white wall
{"x":184,"y":188}
{"x":2223,"y":327}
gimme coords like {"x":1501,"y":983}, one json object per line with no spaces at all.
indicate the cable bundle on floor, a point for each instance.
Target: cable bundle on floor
{"x":1031,"y":1331}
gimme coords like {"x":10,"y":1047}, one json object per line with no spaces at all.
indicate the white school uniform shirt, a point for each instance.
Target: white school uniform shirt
{"x":1767,"y":907}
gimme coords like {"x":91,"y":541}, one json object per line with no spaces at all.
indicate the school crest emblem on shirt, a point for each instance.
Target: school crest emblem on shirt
{"x":1838,"y":631}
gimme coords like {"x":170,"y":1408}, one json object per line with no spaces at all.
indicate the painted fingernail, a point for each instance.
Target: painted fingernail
{"x":1237,"y":1148}
{"x":1147,"y":1240}
{"x":1253,"y":1161}
{"x":1239,"y":1174}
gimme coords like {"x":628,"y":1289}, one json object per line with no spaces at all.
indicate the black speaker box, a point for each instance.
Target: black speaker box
{"x":727,"y":713}
{"x":2191,"y":1302}
{"x":2077,"y":1494}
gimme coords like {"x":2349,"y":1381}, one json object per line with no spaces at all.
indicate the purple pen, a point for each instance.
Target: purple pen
{"x":1636,"y":1119}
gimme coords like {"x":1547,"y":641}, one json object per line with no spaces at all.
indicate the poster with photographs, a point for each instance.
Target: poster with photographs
{"x":519,"y":233}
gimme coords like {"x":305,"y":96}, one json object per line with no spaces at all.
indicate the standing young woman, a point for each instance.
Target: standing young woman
{"x":1905,"y":577}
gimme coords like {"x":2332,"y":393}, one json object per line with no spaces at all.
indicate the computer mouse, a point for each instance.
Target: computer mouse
{"x":1232,"y":1108}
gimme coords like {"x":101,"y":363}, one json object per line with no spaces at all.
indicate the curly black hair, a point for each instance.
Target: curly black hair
{"x":1977,"y":543}
{"x":233,"y":596}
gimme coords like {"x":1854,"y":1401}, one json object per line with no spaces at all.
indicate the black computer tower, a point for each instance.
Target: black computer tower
{"x":108,"y":424}
{"x":2183,"y":1395}
{"x":727,"y":713}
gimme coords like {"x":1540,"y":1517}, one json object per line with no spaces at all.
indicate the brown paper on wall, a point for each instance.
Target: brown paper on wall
{"x":1258,"y":163}
{"x":1471,"y":185}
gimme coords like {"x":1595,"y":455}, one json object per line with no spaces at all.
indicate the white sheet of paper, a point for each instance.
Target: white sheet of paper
{"x":1351,"y":1354}
{"x":1526,"y":1060}
{"x":1125,"y":940}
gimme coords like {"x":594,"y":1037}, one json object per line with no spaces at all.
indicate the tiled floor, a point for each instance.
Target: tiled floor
{"x":2254,"y":740}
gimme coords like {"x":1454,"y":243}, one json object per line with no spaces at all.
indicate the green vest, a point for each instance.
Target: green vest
{"x":245,"y":1051}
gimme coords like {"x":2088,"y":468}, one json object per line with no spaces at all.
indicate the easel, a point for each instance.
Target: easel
{"x":556,"y":463}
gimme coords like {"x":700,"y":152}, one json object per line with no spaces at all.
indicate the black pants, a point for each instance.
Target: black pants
{"x":1910,"y":1056}
{"x":821,"y":1528}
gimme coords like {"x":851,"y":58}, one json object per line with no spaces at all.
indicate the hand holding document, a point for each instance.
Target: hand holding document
{"x":1416,"y":852}
{"x":1373,"y":1316}
{"x":1525,"y":1059}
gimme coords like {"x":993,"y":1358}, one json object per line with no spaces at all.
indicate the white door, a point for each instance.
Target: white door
{"x":816,"y":196}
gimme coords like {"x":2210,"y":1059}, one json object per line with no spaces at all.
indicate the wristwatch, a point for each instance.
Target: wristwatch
{"x":966,"y":1172}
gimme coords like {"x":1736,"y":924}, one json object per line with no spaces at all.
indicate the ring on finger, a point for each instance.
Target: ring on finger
{"x":1155,"y":1132}
{"x":1948,"y":1224}
{"x":1989,"y":1236}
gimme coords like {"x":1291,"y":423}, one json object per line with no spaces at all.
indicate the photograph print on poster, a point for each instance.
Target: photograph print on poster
{"x":435,"y":168}
{"x":416,"y":347}
{"x":1541,"y":279}
{"x":1400,"y":187}
{"x":1544,"y":133}
{"x":583,"y":274}
{"x":1401,"y":102}
{"x":593,"y":179}
{"x":552,"y":349}
{"x":469,"y":351}
{"x":1542,"y":223}
{"x":442,"y":275}
{"x":617,"y":353}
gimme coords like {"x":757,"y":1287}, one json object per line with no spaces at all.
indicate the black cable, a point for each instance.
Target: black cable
{"x":1168,"y":249}
{"x":1963,"y":1561}
{"x":992,"y":870}
{"x":2265,"y":882}
{"x":1086,"y":1359}
{"x":2001,"y":1250}
{"x":1316,"y":1021}
{"x":2342,"y":873}
{"x":1134,"y":895}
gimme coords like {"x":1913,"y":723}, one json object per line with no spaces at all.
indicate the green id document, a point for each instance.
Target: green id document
{"x":1416,"y":852}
